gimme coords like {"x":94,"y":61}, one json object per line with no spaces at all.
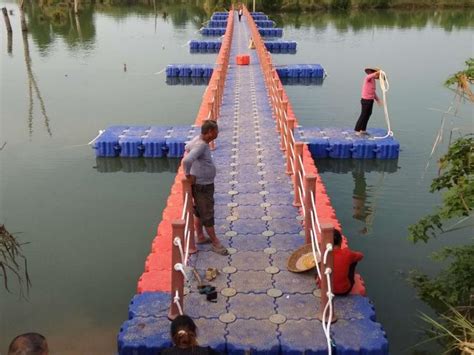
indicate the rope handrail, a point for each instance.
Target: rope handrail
{"x":292,"y":136}
{"x":177,"y":242}
{"x":292,"y":166}
{"x":313,"y":230}
{"x":313,"y":204}
{"x":302,"y":165}
{"x":301,"y":199}
{"x":327,"y":324}
{"x":185,"y":206}
{"x":176,"y":300}
{"x":187,"y":237}
{"x":292,"y":151}
{"x":315,"y":256}
{"x":301,"y":183}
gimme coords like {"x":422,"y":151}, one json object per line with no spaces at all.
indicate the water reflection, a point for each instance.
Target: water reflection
{"x":46,"y":23}
{"x":364,"y":196}
{"x":356,"y":21}
{"x":33,"y":86}
{"x":187,"y":80}
{"x":302,"y":81}
{"x":344,"y":166}
{"x":132,"y":165}
{"x":49,"y":21}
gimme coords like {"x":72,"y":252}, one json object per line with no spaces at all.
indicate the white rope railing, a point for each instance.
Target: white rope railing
{"x":185,"y":205}
{"x":313,"y":229}
{"x":179,"y":267}
{"x":177,"y":242}
{"x":176,"y":300}
{"x":301,"y":184}
{"x":292,"y":136}
{"x":313,"y":203}
{"x":187,"y":237}
{"x":314,"y":242}
{"x":302,"y":166}
{"x":327,"y":324}
{"x":292,"y":166}
{"x":302,"y":199}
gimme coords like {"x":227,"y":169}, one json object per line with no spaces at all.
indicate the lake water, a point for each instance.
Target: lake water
{"x":89,"y":223}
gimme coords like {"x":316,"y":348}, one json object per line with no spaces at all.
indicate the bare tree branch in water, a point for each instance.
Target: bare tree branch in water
{"x":3,"y":145}
{"x":34,"y":84}
{"x":12,"y":261}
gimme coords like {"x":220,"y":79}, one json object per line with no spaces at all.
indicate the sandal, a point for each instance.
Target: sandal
{"x":212,"y":296}
{"x":211,"y":273}
{"x":206,"y":289}
{"x":221,"y":250}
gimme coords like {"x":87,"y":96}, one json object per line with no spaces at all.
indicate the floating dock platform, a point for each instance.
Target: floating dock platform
{"x":261,"y":307}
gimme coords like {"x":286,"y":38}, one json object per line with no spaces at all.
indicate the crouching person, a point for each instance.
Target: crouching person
{"x":345,"y":262}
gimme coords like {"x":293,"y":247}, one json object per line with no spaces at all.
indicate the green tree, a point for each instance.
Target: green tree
{"x":451,"y":292}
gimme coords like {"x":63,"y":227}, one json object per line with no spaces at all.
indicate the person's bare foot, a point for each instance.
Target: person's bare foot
{"x":220,"y":249}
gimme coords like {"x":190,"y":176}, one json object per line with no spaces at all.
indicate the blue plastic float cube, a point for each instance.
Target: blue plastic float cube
{"x":318,"y":147}
{"x":154,"y":143}
{"x":363,"y":149}
{"x":144,"y":336}
{"x":387,"y":148}
{"x":131,"y":142}
{"x":340,"y":148}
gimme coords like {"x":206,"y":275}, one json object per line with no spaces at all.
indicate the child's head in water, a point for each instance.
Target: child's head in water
{"x":183,"y":332}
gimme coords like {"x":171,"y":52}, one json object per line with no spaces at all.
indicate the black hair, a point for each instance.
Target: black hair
{"x":208,"y":125}
{"x":337,"y":237}
{"x":184,"y":332}
{"x":28,"y":344}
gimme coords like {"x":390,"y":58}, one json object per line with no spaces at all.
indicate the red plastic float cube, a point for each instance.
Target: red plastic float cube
{"x":243,"y":59}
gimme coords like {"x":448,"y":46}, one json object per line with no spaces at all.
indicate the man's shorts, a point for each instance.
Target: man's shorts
{"x":204,"y":203}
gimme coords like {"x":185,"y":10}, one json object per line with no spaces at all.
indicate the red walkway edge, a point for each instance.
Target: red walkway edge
{"x":157,"y":274}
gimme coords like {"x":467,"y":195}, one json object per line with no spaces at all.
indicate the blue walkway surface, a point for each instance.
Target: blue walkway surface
{"x":261,"y":307}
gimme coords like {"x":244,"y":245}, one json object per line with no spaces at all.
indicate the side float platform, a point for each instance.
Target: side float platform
{"x":162,"y":141}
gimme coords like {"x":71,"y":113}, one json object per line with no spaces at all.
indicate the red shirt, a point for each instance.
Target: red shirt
{"x":343,"y":258}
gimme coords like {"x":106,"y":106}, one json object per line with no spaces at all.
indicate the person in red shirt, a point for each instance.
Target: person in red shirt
{"x":345,"y":261}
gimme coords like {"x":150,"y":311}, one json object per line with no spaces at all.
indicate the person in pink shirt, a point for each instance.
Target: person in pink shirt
{"x":369,"y":94}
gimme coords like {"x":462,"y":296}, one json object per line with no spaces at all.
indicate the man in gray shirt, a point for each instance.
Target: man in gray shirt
{"x":200,"y":170}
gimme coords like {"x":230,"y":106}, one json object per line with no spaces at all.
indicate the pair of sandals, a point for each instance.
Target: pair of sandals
{"x":206,"y":289}
{"x":221,"y":250}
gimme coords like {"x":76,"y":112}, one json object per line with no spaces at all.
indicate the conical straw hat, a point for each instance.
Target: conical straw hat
{"x":302,"y":259}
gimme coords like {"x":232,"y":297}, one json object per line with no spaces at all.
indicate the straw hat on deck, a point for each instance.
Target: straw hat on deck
{"x":302,"y":259}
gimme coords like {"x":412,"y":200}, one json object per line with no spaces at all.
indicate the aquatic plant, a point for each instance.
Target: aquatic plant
{"x":12,"y":261}
{"x":455,"y":329}
{"x":462,"y":80}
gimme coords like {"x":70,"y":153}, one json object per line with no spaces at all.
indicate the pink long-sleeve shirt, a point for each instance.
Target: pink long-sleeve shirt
{"x":368,"y":88}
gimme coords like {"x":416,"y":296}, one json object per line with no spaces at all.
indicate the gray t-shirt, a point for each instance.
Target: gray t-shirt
{"x":198,"y":161}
